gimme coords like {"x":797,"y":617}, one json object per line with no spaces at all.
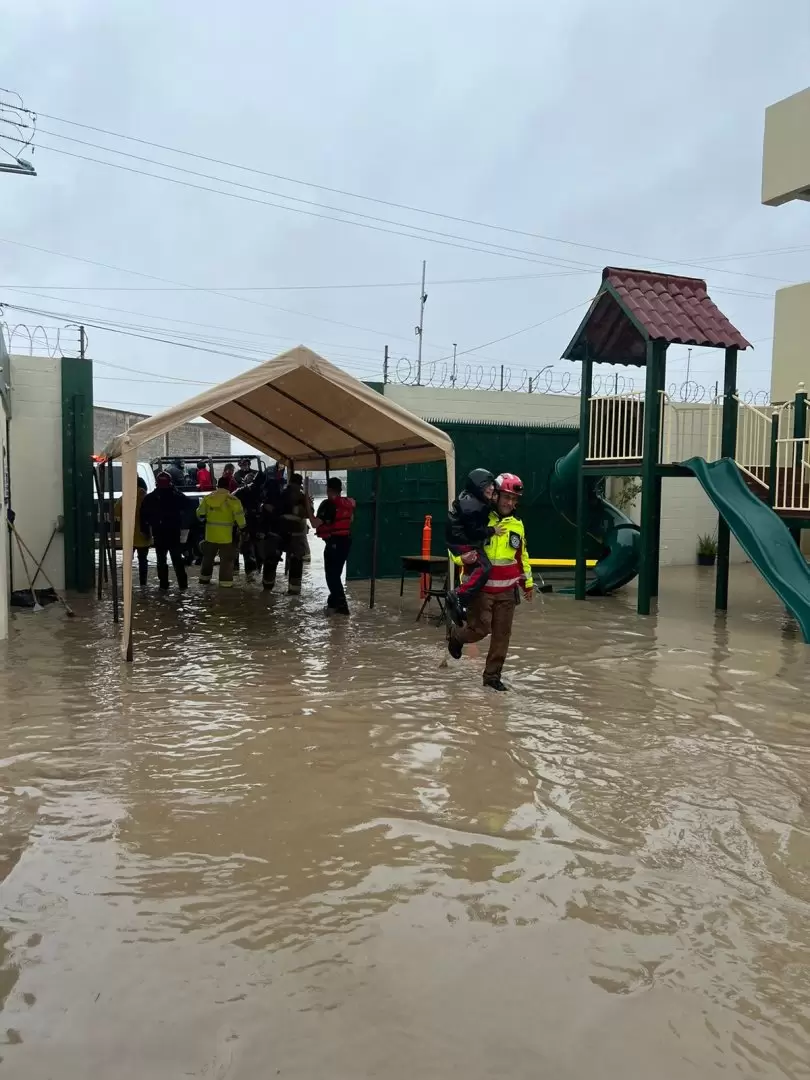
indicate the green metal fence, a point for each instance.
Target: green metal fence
{"x":408,"y":493}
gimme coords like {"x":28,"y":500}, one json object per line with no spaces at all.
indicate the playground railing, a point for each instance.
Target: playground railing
{"x":754,"y":434}
{"x":616,"y":428}
{"x":686,"y":429}
{"x":792,"y":481}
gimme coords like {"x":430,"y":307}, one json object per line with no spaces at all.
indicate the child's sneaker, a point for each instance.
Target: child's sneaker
{"x":456,"y":608}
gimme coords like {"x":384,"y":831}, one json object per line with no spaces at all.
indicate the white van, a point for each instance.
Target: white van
{"x":144,"y":473}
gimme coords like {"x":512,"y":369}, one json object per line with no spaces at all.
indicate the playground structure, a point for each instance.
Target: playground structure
{"x":752,"y":461}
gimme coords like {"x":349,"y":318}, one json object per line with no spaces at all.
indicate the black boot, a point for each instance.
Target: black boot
{"x":455,"y":608}
{"x":454,"y":647}
{"x":494,"y":683}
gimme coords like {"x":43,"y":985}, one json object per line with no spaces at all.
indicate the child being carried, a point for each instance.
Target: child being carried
{"x":466,"y":533}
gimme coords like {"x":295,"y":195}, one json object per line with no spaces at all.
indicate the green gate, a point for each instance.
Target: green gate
{"x":410,"y":492}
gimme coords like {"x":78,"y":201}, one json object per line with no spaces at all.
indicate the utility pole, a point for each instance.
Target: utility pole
{"x":688,"y":362}
{"x":385,"y":366}
{"x":418,"y":329}
{"x":453,"y":376}
{"x":15,"y":115}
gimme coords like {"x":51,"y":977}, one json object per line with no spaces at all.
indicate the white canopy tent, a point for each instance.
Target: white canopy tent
{"x":302,"y":410}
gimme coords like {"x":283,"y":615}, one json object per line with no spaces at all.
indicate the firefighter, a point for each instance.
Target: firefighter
{"x":220,"y":511}
{"x":250,"y":496}
{"x":165,"y":513}
{"x":296,"y":510}
{"x":491,"y":612}
{"x":270,"y":524}
{"x":333,"y":524}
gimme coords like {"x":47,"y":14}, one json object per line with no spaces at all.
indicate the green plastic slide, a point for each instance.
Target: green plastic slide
{"x":763,"y":536}
{"x":606,"y":523}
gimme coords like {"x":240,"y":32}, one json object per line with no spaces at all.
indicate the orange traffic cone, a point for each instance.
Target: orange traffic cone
{"x":427,"y":533}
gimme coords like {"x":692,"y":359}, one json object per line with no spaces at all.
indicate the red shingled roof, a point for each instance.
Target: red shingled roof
{"x":676,"y":309}
{"x":634,"y":306}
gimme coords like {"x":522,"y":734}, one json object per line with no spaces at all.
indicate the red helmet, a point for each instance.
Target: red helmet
{"x":507,"y":481}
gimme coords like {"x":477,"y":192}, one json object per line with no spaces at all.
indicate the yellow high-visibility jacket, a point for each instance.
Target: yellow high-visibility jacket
{"x":508,"y":555}
{"x":221,"y":511}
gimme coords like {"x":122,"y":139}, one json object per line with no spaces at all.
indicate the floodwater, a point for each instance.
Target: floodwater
{"x":285,"y":846}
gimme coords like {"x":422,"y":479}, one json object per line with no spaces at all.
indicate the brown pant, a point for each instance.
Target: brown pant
{"x":490,"y":613}
{"x":227,"y":557}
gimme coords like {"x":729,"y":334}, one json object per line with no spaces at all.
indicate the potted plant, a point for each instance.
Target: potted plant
{"x":707,"y":550}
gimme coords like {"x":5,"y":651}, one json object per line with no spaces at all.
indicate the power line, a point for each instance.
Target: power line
{"x":216,"y":292}
{"x":381,"y":202}
{"x":295,"y":288}
{"x":211,"y":292}
{"x":432,"y":236}
{"x":515,"y":333}
{"x":259,"y":346}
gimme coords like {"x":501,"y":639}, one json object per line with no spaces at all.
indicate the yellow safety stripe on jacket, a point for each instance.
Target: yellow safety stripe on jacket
{"x":501,"y":553}
{"x":221,"y":511}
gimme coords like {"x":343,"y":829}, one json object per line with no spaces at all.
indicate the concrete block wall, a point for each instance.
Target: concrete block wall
{"x":189,"y":441}
{"x":35,"y":460}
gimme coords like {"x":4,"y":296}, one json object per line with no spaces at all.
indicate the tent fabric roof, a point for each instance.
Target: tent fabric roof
{"x":636,"y":306}
{"x":300,"y":407}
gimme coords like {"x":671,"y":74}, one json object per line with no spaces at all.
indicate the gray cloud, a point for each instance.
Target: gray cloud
{"x":633,"y":125}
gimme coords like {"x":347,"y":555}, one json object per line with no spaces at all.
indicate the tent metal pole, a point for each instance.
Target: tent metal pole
{"x":113,"y":561}
{"x":375,"y":532}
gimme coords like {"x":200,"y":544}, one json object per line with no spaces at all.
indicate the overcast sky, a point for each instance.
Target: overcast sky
{"x":631,"y":129}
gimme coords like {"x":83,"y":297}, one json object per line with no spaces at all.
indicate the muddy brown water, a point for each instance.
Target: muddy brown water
{"x":284,"y":846}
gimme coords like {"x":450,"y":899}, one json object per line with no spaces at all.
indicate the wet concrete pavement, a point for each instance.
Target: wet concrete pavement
{"x":281,"y":845}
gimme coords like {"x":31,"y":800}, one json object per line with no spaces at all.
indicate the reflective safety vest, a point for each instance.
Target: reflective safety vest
{"x":342,"y":525}
{"x":221,"y":511}
{"x":508,"y":555}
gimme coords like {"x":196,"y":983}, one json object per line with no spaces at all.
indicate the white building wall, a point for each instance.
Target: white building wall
{"x":36,"y":463}
{"x":507,"y":407}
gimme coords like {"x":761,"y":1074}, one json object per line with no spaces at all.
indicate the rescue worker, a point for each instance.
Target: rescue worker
{"x":333,"y":524}
{"x":165,"y":513}
{"x":140,"y":539}
{"x":493,"y":609}
{"x":250,"y":496}
{"x":270,"y":528}
{"x":220,"y":511}
{"x":295,"y":513}
{"x":466,"y":533}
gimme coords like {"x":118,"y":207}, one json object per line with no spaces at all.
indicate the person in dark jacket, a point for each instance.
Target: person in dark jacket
{"x":177,"y":472}
{"x":165,"y":513}
{"x":250,"y":496}
{"x":466,"y":532}
{"x":270,"y":528}
{"x":244,"y":470}
{"x":296,"y":510}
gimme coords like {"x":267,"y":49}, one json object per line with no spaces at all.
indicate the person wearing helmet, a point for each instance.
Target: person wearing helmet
{"x":466,"y":533}
{"x":493,"y":608}
{"x":165,"y":513}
